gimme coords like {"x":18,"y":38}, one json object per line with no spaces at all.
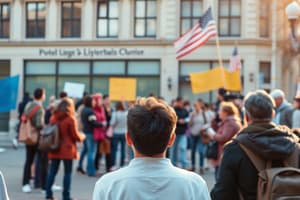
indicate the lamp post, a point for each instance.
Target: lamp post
{"x":292,"y":11}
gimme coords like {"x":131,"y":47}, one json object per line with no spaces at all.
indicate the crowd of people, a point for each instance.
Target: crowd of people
{"x":153,"y":129}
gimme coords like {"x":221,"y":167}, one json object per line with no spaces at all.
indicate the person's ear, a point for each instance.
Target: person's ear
{"x":247,"y":118}
{"x":273,"y":114}
{"x":171,"y":140}
{"x":128,"y":139}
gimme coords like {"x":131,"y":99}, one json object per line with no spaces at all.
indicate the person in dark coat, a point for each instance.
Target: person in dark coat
{"x":237,"y":175}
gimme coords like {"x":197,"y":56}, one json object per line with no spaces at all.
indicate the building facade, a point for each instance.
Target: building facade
{"x":50,"y":42}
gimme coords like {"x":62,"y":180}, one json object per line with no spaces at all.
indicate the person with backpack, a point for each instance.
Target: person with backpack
{"x":64,"y":118}
{"x":35,"y":113}
{"x":271,"y":145}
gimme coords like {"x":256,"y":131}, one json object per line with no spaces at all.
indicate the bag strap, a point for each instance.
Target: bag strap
{"x":204,"y":117}
{"x":293,"y":159}
{"x":33,"y":111}
{"x":259,"y":163}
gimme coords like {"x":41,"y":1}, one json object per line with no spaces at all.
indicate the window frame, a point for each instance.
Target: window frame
{"x":265,"y":19}
{"x":36,"y":20}
{"x":98,"y":17}
{"x":3,"y":20}
{"x":229,"y":17}
{"x":91,"y":76}
{"x":71,"y":19}
{"x":190,"y":18}
{"x":145,"y":18}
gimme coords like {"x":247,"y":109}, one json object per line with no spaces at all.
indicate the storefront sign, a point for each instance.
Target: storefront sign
{"x":89,"y":52}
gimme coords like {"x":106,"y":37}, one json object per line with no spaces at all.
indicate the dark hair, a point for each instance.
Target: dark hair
{"x":259,"y":106}
{"x":38,"y":93}
{"x":105,"y":96}
{"x":63,"y":94}
{"x":66,"y":106}
{"x":120,"y":106}
{"x":179,"y":99}
{"x":150,"y":123}
{"x":222,"y":91}
{"x":88,"y":101}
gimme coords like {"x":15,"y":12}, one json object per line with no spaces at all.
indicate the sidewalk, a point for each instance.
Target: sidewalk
{"x":11,"y":165}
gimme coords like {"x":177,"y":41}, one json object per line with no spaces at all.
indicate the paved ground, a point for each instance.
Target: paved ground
{"x":11,"y":164}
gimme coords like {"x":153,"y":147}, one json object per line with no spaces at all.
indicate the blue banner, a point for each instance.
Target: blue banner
{"x":9,"y":93}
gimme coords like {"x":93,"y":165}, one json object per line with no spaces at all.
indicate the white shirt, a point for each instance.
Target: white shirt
{"x":119,"y":122}
{"x":151,"y":179}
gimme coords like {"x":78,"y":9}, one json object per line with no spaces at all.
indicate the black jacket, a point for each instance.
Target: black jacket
{"x":181,"y":113}
{"x":88,"y":119}
{"x":237,"y":173}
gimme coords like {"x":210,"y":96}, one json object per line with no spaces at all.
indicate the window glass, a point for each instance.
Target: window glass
{"x":109,"y":67}
{"x":151,"y":26}
{"x":40,"y":68}
{"x":190,"y":67}
{"x":235,"y":8}
{"x":102,"y":27}
{"x":151,"y":9}
{"x":102,"y":10}
{"x":113,"y":9}
{"x":71,"y":19}
{"x":140,"y":9}
{"x":74,"y":68}
{"x":235,"y":26}
{"x":101,"y":84}
{"x":142,"y":67}
{"x":224,"y":8}
{"x":185,"y":25}
{"x":31,"y":9}
{"x":35,"y":21}
{"x":144,"y":88}
{"x":197,"y":8}
{"x":223,"y":26}
{"x":47,"y":82}
{"x":186,"y":9}
{"x":265,"y":73}
{"x":140,"y":27}
{"x":113,"y":27}
{"x":5,"y":10}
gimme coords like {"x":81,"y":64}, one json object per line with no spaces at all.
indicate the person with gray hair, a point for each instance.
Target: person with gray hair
{"x":283,"y":110}
{"x":238,"y":177}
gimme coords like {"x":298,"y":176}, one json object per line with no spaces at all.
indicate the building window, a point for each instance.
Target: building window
{"x":191,"y":11}
{"x":107,"y":18}
{"x":230,"y":18}
{"x":95,"y":75}
{"x":265,"y":74}
{"x":4,"y":20}
{"x":264,"y":19}
{"x":71,"y":19}
{"x":35,"y":19}
{"x":145,"y":18}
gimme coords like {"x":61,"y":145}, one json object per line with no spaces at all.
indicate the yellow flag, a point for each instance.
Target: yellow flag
{"x":122,"y":89}
{"x":214,"y":79}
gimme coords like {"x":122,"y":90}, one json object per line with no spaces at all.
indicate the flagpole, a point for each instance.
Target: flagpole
{"x":219,"y":51}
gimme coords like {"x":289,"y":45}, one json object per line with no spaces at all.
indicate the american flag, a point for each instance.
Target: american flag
{"x":196,"y":36}
{"x":235,"y":61}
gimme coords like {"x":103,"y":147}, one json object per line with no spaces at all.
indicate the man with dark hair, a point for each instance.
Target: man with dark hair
{"x":150,"y":175}
{"x":238,"y":175}
{"x":37,"y":121}
{"x":180,"y":143}
{"x":63,"y":94}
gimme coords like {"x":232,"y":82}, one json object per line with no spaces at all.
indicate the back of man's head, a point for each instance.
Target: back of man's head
{"x":150,"y":125}
{"x":277,"y":94}
{"x":39,"y":93}
{"x":259,"y":106}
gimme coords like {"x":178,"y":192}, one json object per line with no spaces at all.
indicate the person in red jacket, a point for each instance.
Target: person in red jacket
{"x":64,"y":117}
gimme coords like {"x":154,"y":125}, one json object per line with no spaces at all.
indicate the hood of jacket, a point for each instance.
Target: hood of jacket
{"x":269,"y":141}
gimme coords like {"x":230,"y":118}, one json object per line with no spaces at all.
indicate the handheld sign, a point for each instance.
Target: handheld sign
{"x":74,"y":90}
{"x":122,"y":89}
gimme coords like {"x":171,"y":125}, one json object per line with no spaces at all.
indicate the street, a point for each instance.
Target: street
{"x":11,"y":165}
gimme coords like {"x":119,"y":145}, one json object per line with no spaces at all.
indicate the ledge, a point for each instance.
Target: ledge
{"x":135,"y":42}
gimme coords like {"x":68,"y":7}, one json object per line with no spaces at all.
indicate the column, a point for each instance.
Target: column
{"x":169,"y":70}
{"x":52,"y":20}
{"x":88,"y":23}
{"x":125,"y":20}
{"x":274,"y":75}
{"x":17,"y":21}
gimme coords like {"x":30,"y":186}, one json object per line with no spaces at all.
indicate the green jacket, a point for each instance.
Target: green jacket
{"x":38,"y":118}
